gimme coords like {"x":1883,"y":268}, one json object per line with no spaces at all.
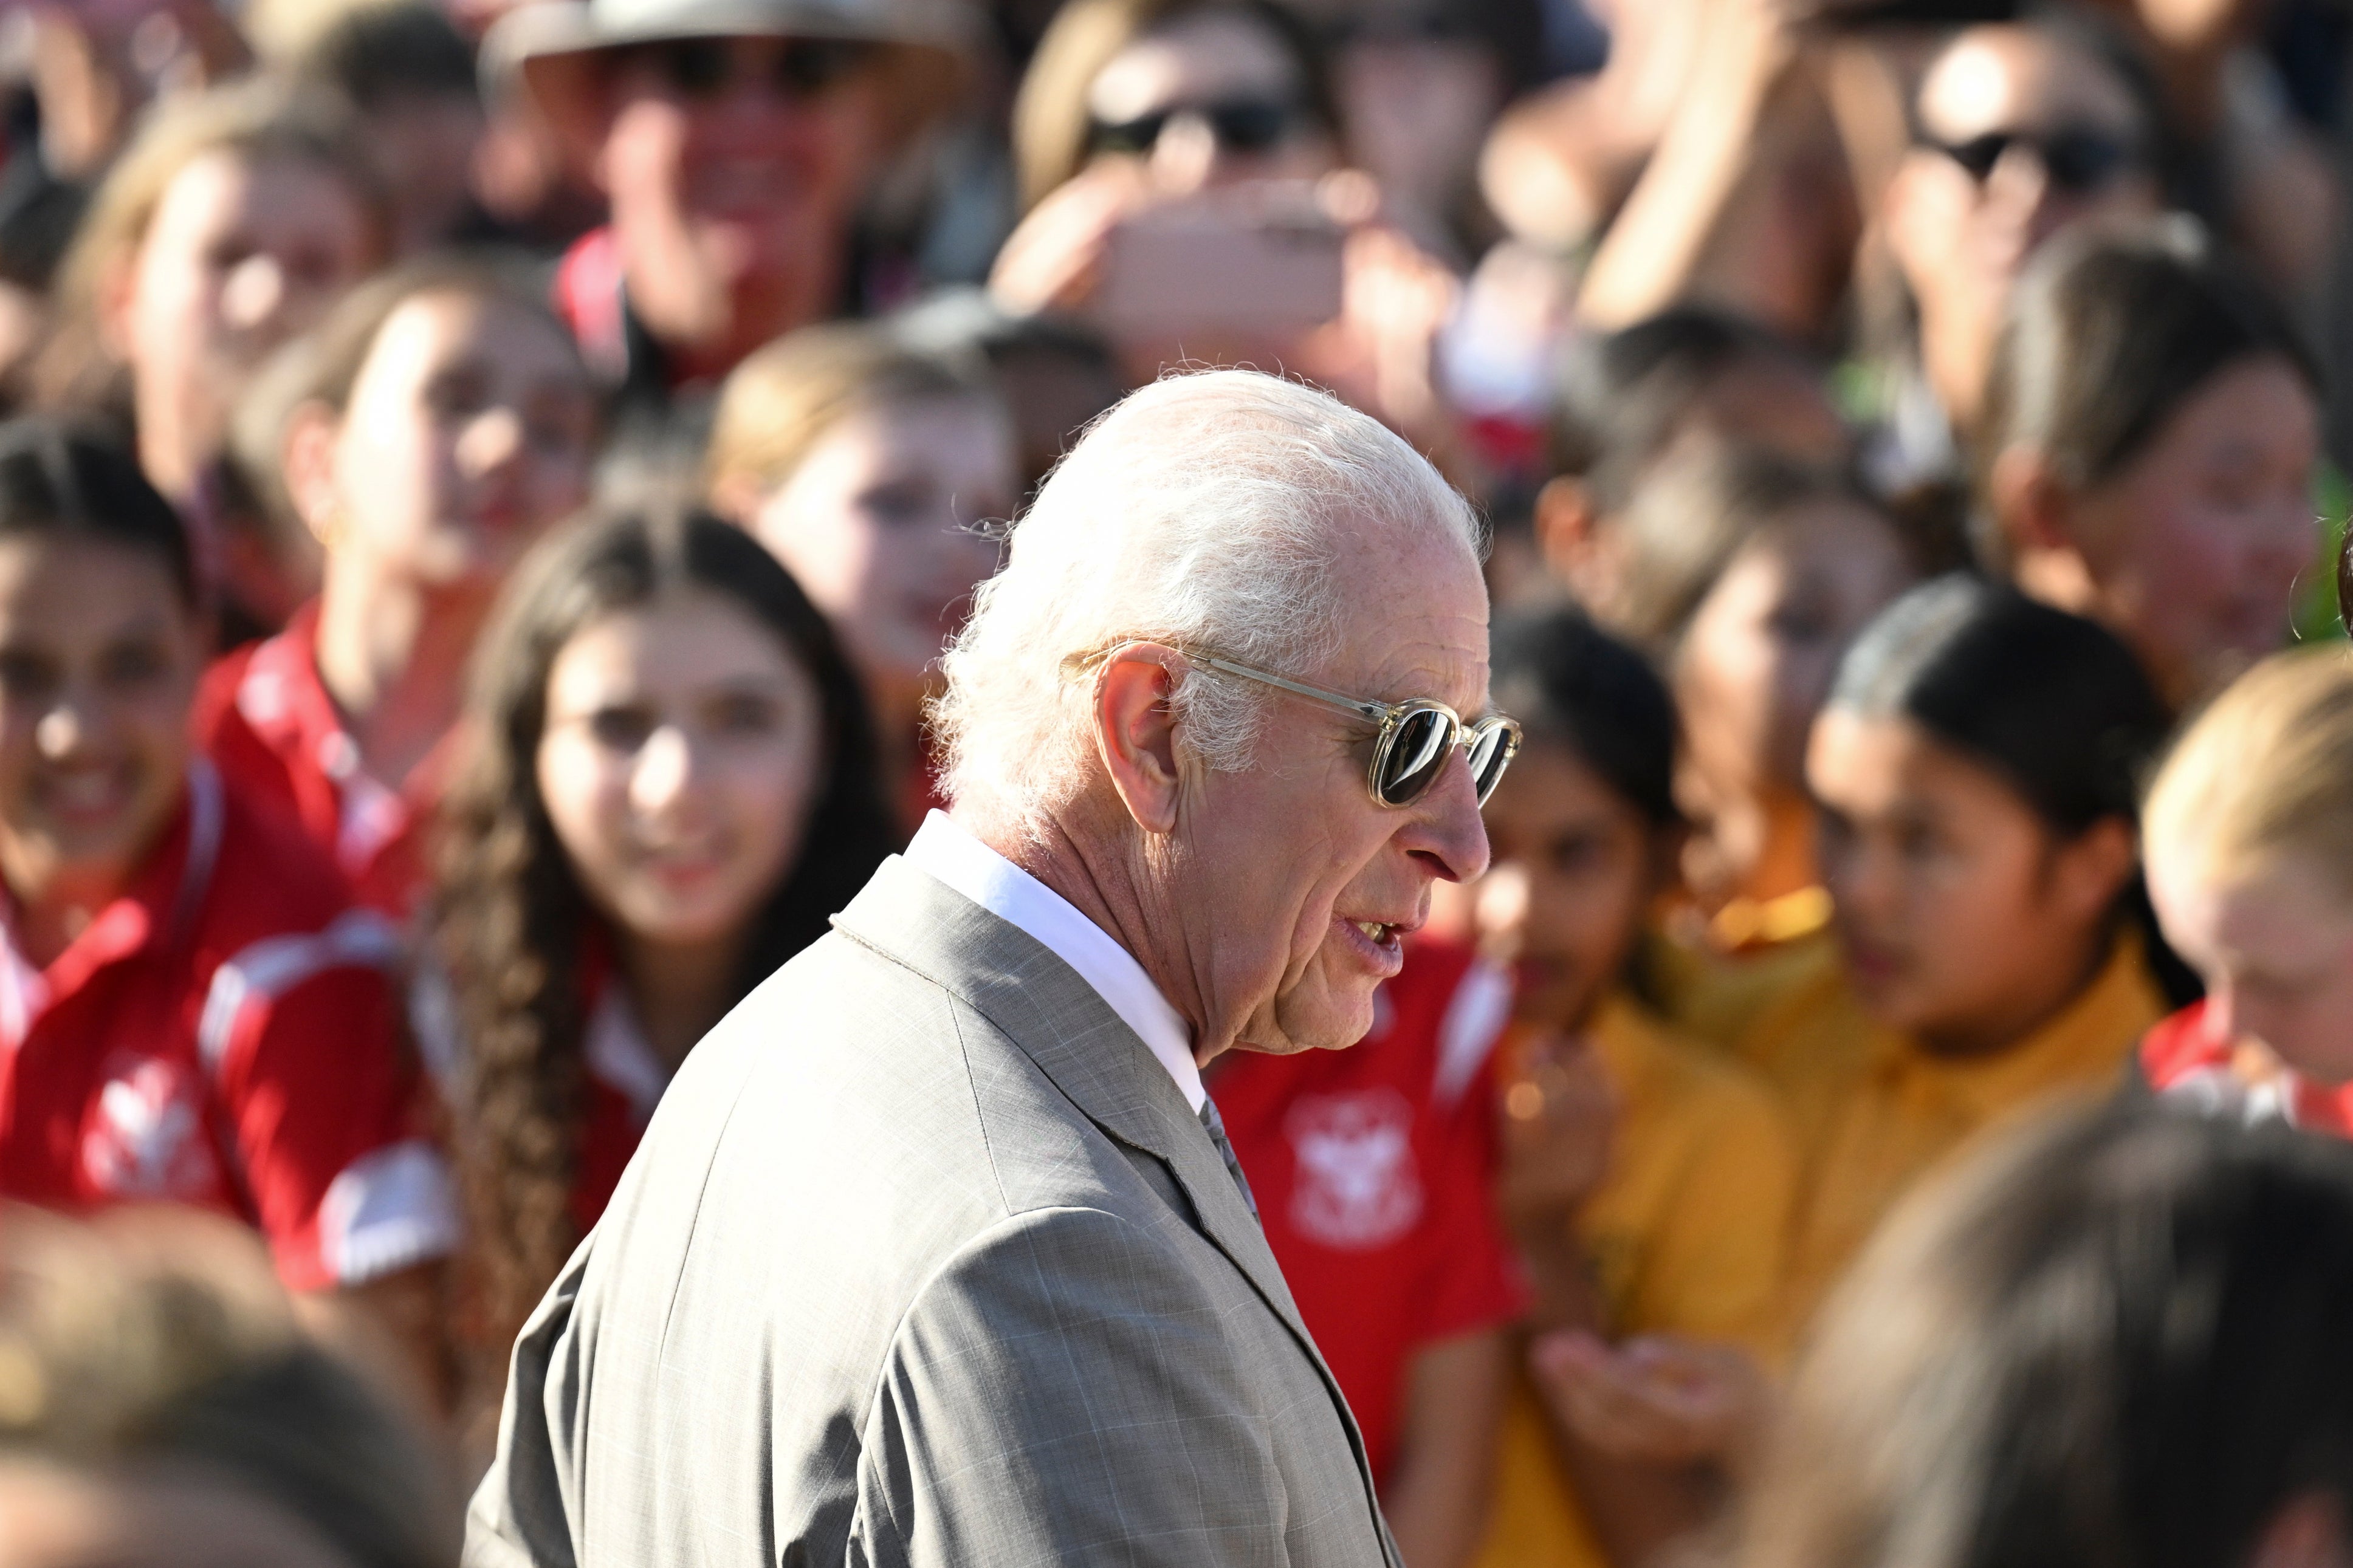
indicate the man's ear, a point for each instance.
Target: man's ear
{"x":1137,"y":735}
{"x":307,"y":458}
{"x":1574,"y":546}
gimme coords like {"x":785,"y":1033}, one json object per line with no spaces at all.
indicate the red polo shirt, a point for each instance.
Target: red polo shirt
{"x":265,"y":717}
{"x":623,"y":1082}
{"x":1373,"y":1170}
{"x":2183,"y":1059}
{"x":225,"y":1035}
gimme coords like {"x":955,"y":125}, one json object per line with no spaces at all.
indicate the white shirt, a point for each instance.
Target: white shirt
{"x":971,"y":868}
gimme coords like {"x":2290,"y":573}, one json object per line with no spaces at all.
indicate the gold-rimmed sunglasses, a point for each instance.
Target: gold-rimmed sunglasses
{"x":1416,"y":736}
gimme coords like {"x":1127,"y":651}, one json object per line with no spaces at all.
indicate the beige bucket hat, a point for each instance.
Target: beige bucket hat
{"x":549,"y":52}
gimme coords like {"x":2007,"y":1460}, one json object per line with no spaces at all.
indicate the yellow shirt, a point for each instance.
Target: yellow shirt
{"x":1762,"y":986}
{"x":1870,"y":1129}
{"x":1687,"y":1235}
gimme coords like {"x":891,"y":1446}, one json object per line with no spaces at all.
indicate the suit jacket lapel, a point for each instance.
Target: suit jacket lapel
{"x":1019,"y":985}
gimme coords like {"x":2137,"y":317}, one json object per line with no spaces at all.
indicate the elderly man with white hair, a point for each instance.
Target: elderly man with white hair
{"x":935,"y":1252}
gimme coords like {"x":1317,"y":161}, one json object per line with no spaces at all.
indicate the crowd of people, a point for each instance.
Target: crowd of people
{"x":487,"y":490}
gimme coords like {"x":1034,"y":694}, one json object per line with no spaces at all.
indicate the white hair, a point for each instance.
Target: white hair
{"x":1206,"y":509}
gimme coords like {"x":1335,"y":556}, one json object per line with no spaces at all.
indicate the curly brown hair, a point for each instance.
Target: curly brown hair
{"x":510,"y":920}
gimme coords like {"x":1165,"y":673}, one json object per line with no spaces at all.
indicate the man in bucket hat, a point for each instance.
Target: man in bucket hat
{"x":735,"y":139}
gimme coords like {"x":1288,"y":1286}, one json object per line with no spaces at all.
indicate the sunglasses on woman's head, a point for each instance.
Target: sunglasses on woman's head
{"x":2080,"y":159}
{"x":1239,"y":125}
{"x":1415,"y":738}
{"x":701,"y":70}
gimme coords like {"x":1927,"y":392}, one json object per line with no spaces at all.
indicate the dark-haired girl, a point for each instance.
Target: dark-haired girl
{"x":189,"y":1011}
{"x":2151,"y":431}
{"x":444,"y":422}
{"x":667,"y":788}
{"x":1975,"y":771}
{"x":1647,"y":1178}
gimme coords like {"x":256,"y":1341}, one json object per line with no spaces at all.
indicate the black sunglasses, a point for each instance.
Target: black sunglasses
{"x":1239,"y":125}
{"x":701,"y":70}
{"x":1412,"y":745}
{"x":2080,"y":159}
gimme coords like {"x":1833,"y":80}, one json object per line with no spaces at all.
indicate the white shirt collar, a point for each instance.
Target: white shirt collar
{"x":965,"y":864}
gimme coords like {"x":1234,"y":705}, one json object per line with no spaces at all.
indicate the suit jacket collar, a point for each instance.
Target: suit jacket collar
{"x":1054,"y":1015}
{"x":1043,"y":1004}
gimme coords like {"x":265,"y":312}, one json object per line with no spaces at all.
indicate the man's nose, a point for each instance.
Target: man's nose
{"x":1449,"y":831}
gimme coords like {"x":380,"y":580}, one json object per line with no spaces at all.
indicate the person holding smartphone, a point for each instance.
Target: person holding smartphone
{"x":1186,"y":169}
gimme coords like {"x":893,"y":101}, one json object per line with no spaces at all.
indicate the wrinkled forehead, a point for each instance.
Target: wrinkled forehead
{"x":1413,"y":612}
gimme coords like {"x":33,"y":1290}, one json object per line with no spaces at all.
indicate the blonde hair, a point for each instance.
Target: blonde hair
{"x":777,"y":404}
{"x":2263,"y":775}
{"x":262,"y":119}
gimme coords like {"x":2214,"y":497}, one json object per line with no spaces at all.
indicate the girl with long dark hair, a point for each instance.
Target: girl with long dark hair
{"x":666,"y":789}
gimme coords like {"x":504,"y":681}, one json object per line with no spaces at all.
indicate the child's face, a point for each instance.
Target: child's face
{"x":99,"y":660}
{"x":469,"y":430}
{"x":683,"y":754}
{"x":1764,"y":644}
{"x":2276,"y":950}
{"x":1964,"y":919}
{"x":240,"y":255}
{"x":875,"y":524}
{"x":1576,"y":868}
{"x":2193,"y":550}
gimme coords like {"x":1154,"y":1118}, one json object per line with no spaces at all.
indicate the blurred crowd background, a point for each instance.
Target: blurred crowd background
{"x":485,"y":489}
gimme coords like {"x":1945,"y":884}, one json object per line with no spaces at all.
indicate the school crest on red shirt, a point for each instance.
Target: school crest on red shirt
{"x":146,"y":1135}
{"x":1356,"y":1187}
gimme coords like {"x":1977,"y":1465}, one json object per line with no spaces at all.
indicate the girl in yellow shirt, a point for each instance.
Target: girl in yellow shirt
{"x":1646,"y":1178}
{"x":1975,"y":770}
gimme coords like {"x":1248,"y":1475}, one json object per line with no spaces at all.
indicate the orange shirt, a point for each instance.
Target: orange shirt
{"x":1872,"y":1124}
{"x":1686,"y":1236}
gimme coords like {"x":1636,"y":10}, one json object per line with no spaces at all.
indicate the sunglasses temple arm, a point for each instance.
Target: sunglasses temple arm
{"x":1376,"y":712}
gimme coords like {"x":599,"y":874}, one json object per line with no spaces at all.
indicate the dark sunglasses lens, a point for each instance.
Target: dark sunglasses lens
{"x":1251,"y":127}
{"x":2082,"y":162}
{"x":1490,"y":752}
{"x":806,"y":66}
{"x":1131,"y":136}
{"x":695,"y":67}
{"x":1417,"y":753}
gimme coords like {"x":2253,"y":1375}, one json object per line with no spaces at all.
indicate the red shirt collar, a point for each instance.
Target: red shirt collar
{"x":160,"y":906}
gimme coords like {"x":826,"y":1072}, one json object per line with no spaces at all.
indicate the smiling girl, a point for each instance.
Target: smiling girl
{"x":446,"y":424}
{"x":1976,"y":773}
{"x":189,"y":1012}
{"x":668,"y":789}
{"x":227,"y":228}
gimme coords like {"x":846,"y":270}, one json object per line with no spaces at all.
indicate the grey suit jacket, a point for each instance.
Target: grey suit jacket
{"x":924,"y":1260}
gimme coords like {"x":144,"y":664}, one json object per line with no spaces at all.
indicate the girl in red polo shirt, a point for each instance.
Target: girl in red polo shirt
{"x":667,"y":790}
{"x":189,"y":1010}
{"x":2249,"y":834}
{"x":446,"y":422}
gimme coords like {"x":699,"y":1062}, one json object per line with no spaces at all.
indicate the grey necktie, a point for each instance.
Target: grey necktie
{"x":1217,"y":1126}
